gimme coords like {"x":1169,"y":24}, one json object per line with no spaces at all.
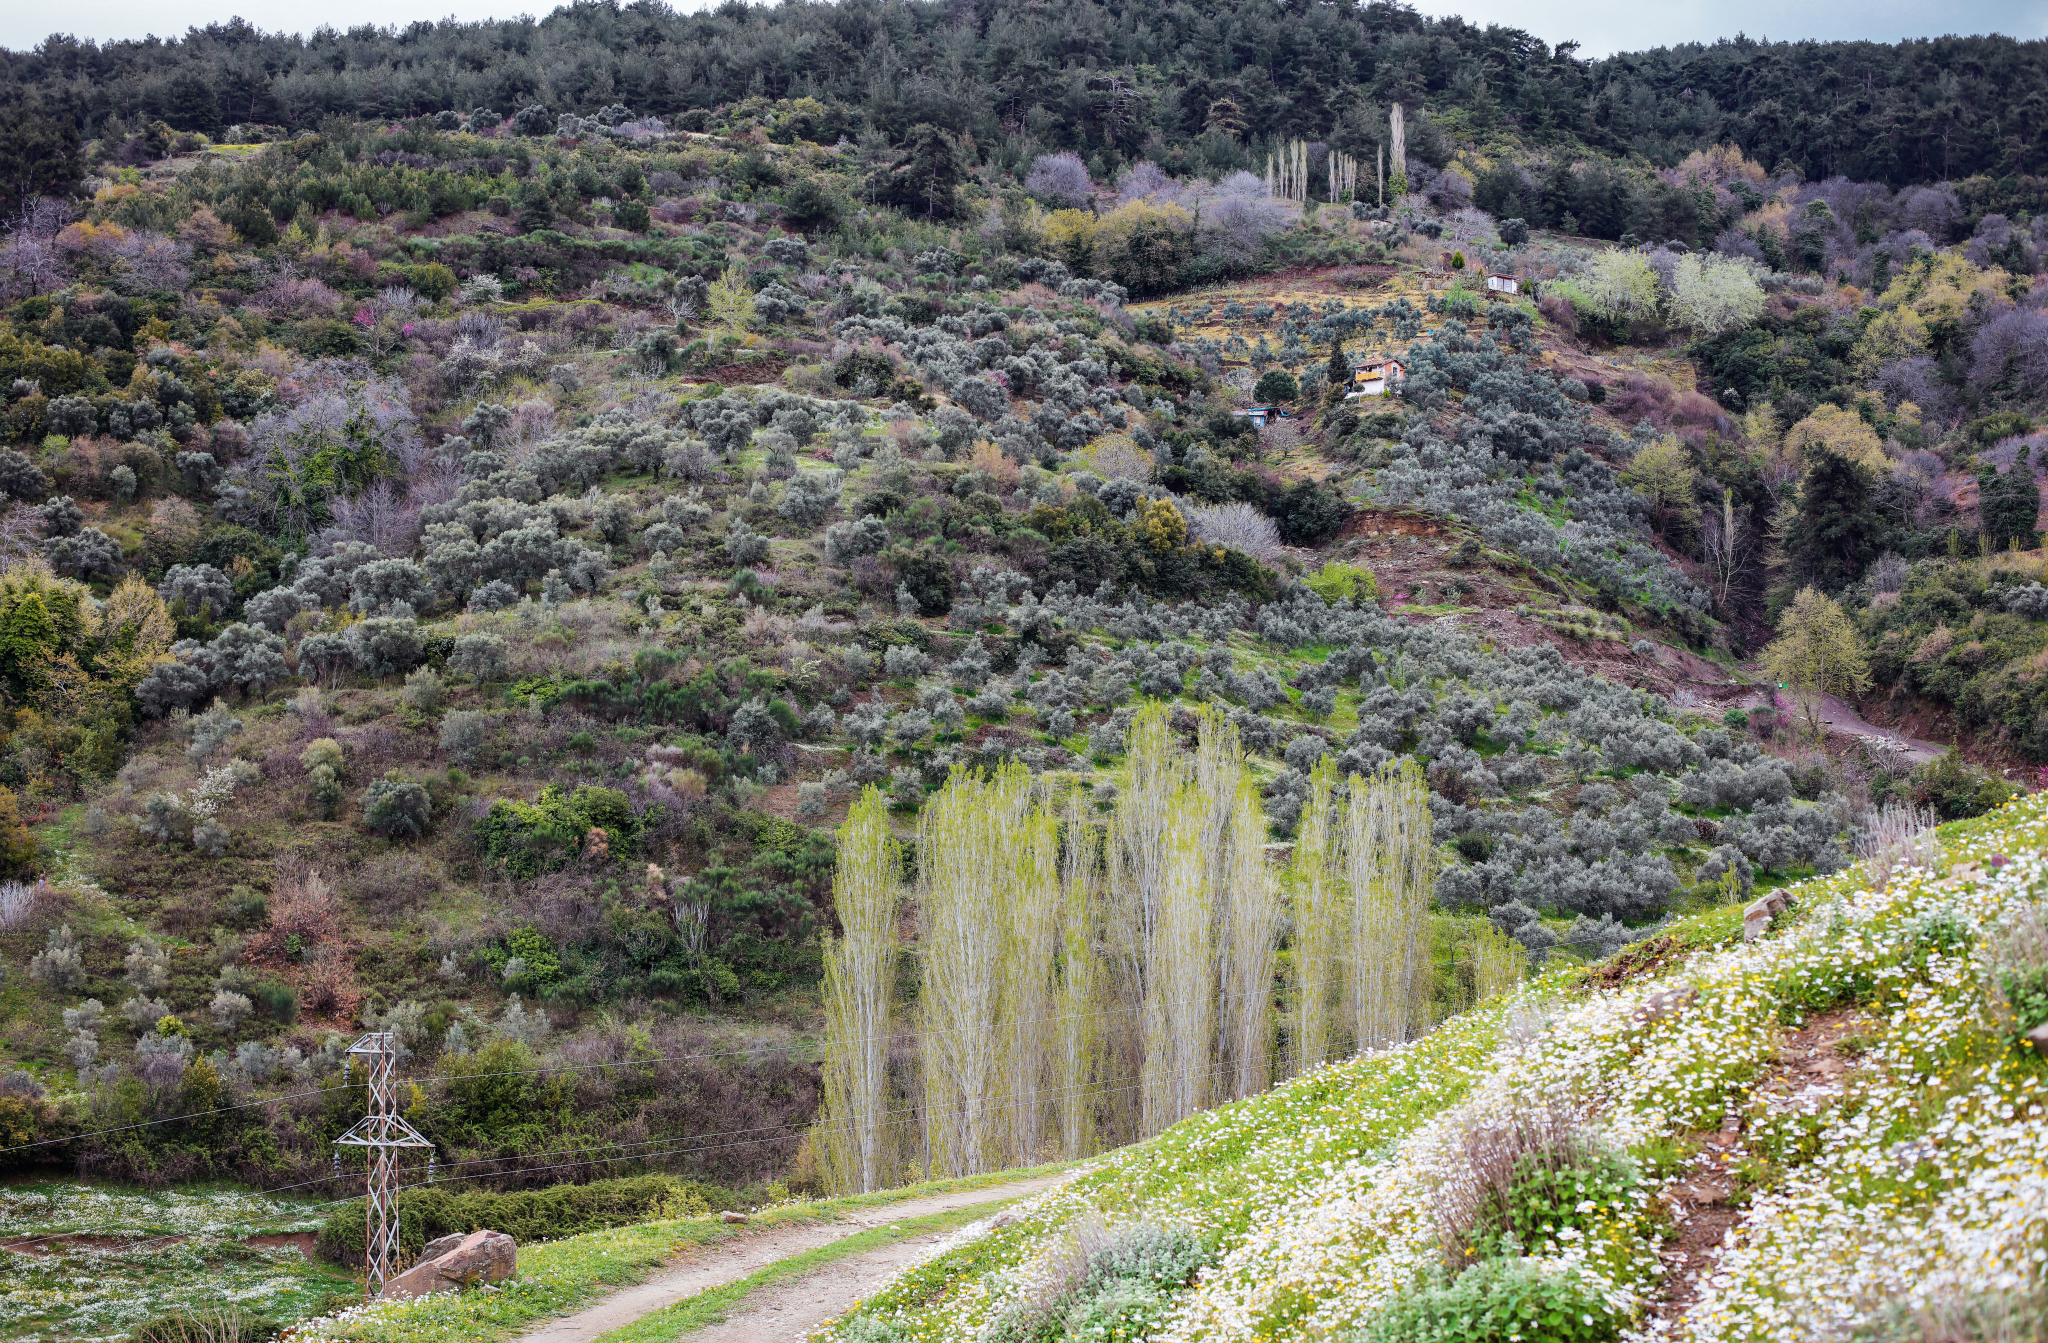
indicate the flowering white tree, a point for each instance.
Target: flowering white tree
{"x":1713,"y":294}
{"x":1621,"y":285}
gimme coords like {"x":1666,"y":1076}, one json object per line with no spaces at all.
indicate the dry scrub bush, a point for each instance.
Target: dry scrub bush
{"x":1895,"y":838}
{"x":302,"y":905}
{"x":1476,"y":1198}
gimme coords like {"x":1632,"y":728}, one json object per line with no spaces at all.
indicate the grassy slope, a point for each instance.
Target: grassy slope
{"x":1317,"y":1194}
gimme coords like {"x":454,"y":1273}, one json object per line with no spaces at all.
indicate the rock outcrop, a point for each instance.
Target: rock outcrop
{"x":455,"y":1262}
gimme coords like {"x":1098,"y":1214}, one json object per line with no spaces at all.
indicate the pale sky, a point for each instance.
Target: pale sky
{"x":1603,"y":27}
{"x":1600,"y":26}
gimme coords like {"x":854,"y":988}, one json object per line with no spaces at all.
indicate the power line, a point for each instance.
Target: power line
{"x":552,"y":1070}
{"x":173,"y":1119}
{"x":695,"y":1144}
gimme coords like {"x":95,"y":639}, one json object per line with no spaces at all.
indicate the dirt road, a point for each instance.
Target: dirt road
{"x":791,"y":1310}
{"x":815,"y":1297}
{"x":1841,"y":718}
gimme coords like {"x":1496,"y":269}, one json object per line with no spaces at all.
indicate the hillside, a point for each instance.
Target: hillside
{"x":1846,"y":1100}
{"x":619,"y":603}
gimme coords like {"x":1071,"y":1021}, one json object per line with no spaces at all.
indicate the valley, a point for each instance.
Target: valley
{"x":794,"y":669}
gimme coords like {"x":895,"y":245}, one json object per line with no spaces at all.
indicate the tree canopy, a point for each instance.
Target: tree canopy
{"x":1101,"y":78}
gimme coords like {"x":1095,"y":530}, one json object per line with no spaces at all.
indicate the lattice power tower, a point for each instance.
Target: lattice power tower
{"x":384,"y":1133}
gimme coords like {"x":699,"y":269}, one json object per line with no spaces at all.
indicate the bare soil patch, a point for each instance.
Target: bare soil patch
{"x":1706,"y":1206}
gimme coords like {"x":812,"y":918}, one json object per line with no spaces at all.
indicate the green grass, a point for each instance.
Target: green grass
{"x":713,"y":1305}
{"x":562,"y":1276}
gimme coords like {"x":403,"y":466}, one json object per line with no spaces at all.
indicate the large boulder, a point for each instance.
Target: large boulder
{"x":462,"y":1261}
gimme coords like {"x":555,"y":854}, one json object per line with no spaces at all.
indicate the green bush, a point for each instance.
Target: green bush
{"x":529,"y":1215}
{"x":2026,"y":988}
{"x":1276,"y":385}
{"x":397,"y":808}
{"x":323,"y":761}
{"x":1957,"y":789}
{"x":1495,"y":1302}
{"x":1336,"y":582}
{"x":1542,"y":1200}
{"x":1119,"y":1287}
{"x":1310,"y":514}
{"x":529,"y":838}
{"x":434,"y":281}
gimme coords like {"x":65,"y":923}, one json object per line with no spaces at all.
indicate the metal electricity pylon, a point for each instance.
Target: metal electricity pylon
{"x":384,"y":1133}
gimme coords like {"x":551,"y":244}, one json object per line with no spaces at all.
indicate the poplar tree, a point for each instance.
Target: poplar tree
{"x":1497,"y":963}
{"x":1080,"y":1028}
{"x":860,"y":978}
{"x":961,"y":936}
{"x":1321,"y":919}
{"x":1033,"y":901}
{"x":1180,"y":981}
{"x":1249,"y":947}
{"x":1390,"y":866}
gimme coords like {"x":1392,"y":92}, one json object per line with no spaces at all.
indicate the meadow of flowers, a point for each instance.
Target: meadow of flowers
{"x":1913,"y":1176}
{"x":98,"y":1261}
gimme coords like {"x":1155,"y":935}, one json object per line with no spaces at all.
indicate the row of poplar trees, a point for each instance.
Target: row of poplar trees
{"x":1081,"y":984}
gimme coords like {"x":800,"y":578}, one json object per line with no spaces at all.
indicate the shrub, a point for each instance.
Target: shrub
{"x":481,"y":657}
{"x":846,"y":542}
{"x":242,"y":657}
{"x":1310,"y":514}
{"x":60,"y":964}
{"x":397,"y":807}
{"x":385,"y":646}
{"x":1336,"y":582}
{"x":462,"y":734}
{"x":1957,"y":789}
{"x":1239,"y":526}
{"x":322,"y":759}
{"x":205,"y":590}
{"x":20,"y":477}
{"x":901,"y":662}
{"x":229,"y":1008}
{"x":1105,"y":1285}
{"x":1495,"y":1302}
{"x":17,"y":842}
{"x":809,"y":497}
{"x":1523,"y":1182}
{"x":744,"y":546}
{"x":171,"y":685}
{"x":423,"y":690}
{"x":230,"y":1324}
{"x":1276,"y":385}
{"x":528,"y":838}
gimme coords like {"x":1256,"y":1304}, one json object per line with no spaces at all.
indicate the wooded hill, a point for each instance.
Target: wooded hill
{"x":1114,"y":82}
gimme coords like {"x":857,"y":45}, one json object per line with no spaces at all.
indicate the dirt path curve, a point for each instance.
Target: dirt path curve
{"x":715,"y":1265}
{"x":1841,"y":717}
